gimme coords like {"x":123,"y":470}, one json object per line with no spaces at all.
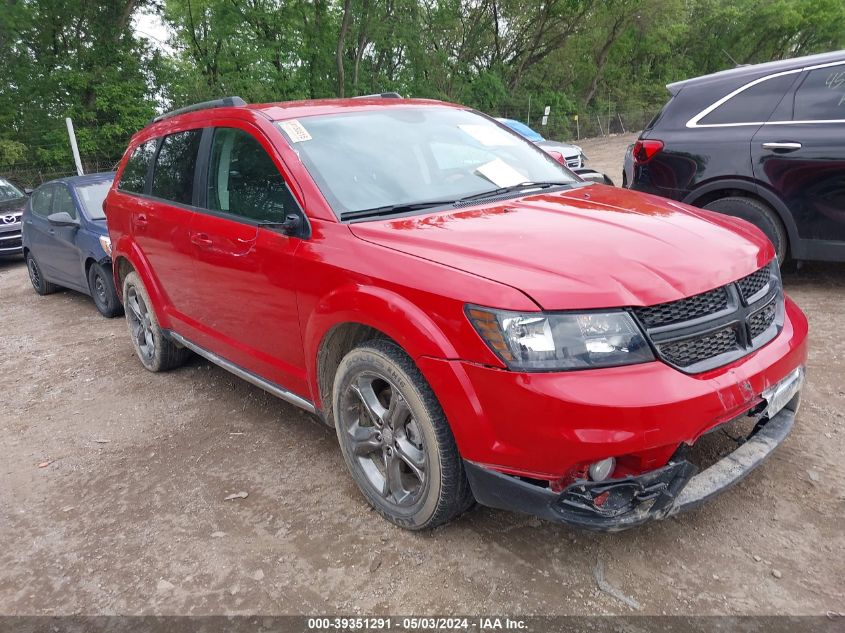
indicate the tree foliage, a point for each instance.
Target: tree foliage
{"x":79,"y":59}
{"x":82,"y":59}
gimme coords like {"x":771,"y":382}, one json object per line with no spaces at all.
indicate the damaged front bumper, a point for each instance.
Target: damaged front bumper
{"x":619,"y":504}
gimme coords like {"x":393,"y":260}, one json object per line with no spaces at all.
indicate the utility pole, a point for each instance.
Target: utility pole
{"x":73,"y":146}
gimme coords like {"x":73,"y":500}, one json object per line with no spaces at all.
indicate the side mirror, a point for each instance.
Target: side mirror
{"x":557,"y":156}
{"x":62,"y":218}
{"x":592,"y":175}
{"x":291,"y":225}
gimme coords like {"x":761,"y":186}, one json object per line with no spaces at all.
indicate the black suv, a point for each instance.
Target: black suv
{"x":765,"y":143}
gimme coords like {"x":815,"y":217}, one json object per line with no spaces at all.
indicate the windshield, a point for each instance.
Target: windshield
{"x":92,"y":197}
{"x":8,"y":191}
{"x":524,"y":130}
{"x":408,"y":155}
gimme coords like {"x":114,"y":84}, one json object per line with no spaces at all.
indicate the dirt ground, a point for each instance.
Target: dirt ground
{"x":114,"y":486}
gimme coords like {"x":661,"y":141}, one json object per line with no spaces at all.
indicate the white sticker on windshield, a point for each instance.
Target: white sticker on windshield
{"x":295,"y":130}
{"x":489,"y":135}
{"x":500,"y":173}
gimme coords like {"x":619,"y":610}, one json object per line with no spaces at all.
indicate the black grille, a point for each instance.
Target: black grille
{"x":684,"y":309}
{"x":754,"y":283}
{"x":691,"y":351}
{"x":718,"y":326}
{"x":760,"y":321}
{"x":10,"y":243}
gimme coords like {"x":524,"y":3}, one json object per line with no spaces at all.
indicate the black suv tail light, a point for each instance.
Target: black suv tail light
{"x":644,"y":150}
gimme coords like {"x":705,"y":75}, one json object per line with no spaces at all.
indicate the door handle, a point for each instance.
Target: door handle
{"x":201,"y":240}
{"x":782,"y":146}
{"x":141,"y":221}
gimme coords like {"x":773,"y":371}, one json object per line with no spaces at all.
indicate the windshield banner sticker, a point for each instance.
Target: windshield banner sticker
{"x":295,"y":130}
{"x":500,"y":173}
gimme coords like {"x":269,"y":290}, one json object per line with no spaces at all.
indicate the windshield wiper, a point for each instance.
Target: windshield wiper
{"x":390,"y":209}
{"x":528,"y":184}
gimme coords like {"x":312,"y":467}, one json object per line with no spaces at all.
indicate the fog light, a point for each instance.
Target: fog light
{"x":603,"y":469}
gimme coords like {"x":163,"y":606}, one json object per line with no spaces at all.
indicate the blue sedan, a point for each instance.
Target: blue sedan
{"x":66,"y":242}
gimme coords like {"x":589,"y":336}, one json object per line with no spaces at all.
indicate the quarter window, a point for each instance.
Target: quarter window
{"x":42,"y":201}
{"x":754,"y":104}
{"x":244,"y":181}
{"x":64,"y":202}
{"x":173,"y":178}
{"x":822,"y":95}
{"x":134,"y":177}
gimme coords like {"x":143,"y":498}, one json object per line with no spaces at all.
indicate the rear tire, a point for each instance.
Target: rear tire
{"x":36,"y":277}
{"x":101,"y":286}
{"x":395,"y":438}
{"x":155,"y":351}
{"x":760,"y":215}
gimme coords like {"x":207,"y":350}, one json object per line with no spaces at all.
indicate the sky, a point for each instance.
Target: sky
{"x":151,"y":27}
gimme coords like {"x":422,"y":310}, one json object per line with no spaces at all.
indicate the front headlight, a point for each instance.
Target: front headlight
{"x":543,"y":341}
{"x":105,"y":242}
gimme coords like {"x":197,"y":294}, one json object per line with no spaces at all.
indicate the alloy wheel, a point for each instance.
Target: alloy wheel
{"x":140,"y":323}
{"x":384,"y":438}
{"x":34,"y":273}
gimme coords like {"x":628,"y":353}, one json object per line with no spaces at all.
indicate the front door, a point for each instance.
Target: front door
{"x":62,"y":252}
{"x":243,"y":294}
{"x":802,"y":156}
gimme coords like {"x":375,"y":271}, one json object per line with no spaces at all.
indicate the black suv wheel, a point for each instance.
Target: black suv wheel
{"x":760,"y":215}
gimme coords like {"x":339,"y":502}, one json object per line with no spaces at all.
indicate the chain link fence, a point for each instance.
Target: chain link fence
{"x":31,"y":175}
{"x":573,"y":126}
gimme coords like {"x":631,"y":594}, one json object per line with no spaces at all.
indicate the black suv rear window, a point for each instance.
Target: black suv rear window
{"x":752,"y":105}
{"x":134,"y":176}
{"x":173,"y":178}
{"x":822,"y":95}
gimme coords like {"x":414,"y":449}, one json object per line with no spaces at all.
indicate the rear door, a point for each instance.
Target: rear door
{"x":37,"y":229}
{"x":243,"y":295}
{"x":162,"y":212}
{"x":800,"y":154}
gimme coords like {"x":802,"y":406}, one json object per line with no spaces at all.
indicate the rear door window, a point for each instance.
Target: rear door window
{"x":755,"y":104}
{"x":173,"y":175}
{"x":134,"y":177}
{"x":821,"y":96}
{"x":42,"y":201}
{"x":244,"y":181}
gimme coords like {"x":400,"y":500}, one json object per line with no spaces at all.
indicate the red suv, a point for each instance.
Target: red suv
{"x":475,"y":321}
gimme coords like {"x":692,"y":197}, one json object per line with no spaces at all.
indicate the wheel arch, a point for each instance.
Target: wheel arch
{"x":352,"y":315}
{"x":131,"y":260}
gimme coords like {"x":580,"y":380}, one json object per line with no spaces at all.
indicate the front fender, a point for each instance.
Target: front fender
{"x":378,"y":308}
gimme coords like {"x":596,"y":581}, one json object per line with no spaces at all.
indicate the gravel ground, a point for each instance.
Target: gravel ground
{"x":114,"y":486}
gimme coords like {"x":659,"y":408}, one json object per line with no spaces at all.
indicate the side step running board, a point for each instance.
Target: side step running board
{"x":266,"y":385}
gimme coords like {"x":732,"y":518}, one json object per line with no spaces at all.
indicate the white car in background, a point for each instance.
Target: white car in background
{"x":570,"y":155}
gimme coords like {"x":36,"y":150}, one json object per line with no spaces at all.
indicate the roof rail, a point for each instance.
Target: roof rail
{"x":381,"y":95}
{"x":225,"y":102}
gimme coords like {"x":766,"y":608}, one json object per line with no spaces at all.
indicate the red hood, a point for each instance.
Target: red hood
{"x":590,"y":247}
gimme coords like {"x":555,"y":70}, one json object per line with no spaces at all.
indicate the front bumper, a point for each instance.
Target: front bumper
{"x":10,"y":238}
{"x":633,"y":500}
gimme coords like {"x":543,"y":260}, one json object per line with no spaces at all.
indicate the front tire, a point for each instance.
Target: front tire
{"x":155,"y":351}
{"x":760,"y":215}
{"x":101,"y":286}
{"x":36,"y":277}
{"x":395,"y":438}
